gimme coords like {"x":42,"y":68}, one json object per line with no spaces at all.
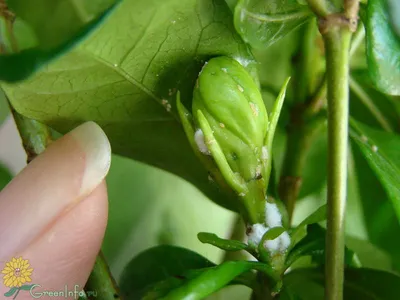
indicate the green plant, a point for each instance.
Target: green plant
{"x":138,"y":68}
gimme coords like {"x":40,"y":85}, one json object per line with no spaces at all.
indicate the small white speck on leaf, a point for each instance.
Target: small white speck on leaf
{"x":375,"y":148}
{"x":240,"y":88}
{"x":222,"y":125}
{"x":264,"y":153}
{"x":224,"y":70}
{"x":115,"y":65}
{"x":242,"y":194}
{"x":200,"y":142}
{"x":254,"y":109}
{"x":166,"y":104}
{"x":364,"y":138}
{"x":173,"y":21}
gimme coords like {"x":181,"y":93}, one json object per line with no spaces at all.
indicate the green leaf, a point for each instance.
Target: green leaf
{"x":150,"y":207}
{"x":5,"y":177}
{"x":43,"y":29}
{"x":301,"y":230}
{"x":273,"y":233}
{"x":125,"y":77}
{"x":209,"y":281}
{"x":314,"y":245}
{"x":263,"y":22}
{"x":158,"y":264}
{"x":212,"y":280}
{"x":360,"y":283}
{"x":227,"y":245}
{"x":394,"y":12}
{"x":4,"y":109}
{"x":377,"y":211}
{"x":381,"y":150}
{"x":11,"y":292}
{"x":383,"y":48}
{"x":370,"y":106}
{"x":370,"y":255}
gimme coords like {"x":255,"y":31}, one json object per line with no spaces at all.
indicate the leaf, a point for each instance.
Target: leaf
{"x":150,"y":207}
{"x":126,"y":80}
{"x":394,"y":12}
{"x":314,"y":245}
{"x":370,"y":255}
{"x":273,"y":233}
{"x":4,"y":109}
{"x":5,"y":177}
{"x":11,"y":292}
{"x":379,"y":111}
{"x":210,"y":281}
{"x":379,"y":216}
{"x":34,"y":32}
{"x":383,"y":48}
{"x":301,"y":230}
{"x":263,"y":22}
{"x":381,"y":150}
{"x":158,"y":264}
{"x":360,"y":283}
{"x":227,"y":245}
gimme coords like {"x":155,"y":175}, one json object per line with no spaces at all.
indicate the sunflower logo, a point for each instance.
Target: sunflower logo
{"x":17,"y":273}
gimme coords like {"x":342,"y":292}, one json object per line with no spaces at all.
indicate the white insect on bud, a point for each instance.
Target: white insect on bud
{"x":279,"y":244}
{"x":264,"y":153}
{"x":256,"y":233}
{"x":273,"y":217}
{"x":201,"y":144}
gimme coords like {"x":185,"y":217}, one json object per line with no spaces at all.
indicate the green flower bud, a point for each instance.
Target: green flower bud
{"x":232,"y":105}
{"x":231,"y":132}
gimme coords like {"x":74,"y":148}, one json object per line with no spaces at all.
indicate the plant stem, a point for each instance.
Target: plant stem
{"x":337,"y":45}
{"x":101,"y":284}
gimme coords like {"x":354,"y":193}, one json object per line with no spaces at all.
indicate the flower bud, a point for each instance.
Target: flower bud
{"x":231,"y":134}
{"x":231,"y":103}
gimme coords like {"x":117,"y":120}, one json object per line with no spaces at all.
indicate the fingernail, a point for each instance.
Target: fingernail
{"x":94,"y":143}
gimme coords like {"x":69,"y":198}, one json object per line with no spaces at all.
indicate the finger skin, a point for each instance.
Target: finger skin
{"x":53,"y":183}
{"x":63,"y":256}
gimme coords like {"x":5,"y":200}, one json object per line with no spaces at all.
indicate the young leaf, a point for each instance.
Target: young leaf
{"x":383,"y":48}
{"x":209,"y":281}
{"x":227,"y":245}
{"x":213,"y":279}
{"x":158,"y":264}
{"x":301,"y":230}
{"x":360,"y":283}
{"x":43,"y":29}
{"x":263,"y":22}
{"x":314,"y":245}
{"x":381,"y":150}
{"x":126,"y":75}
